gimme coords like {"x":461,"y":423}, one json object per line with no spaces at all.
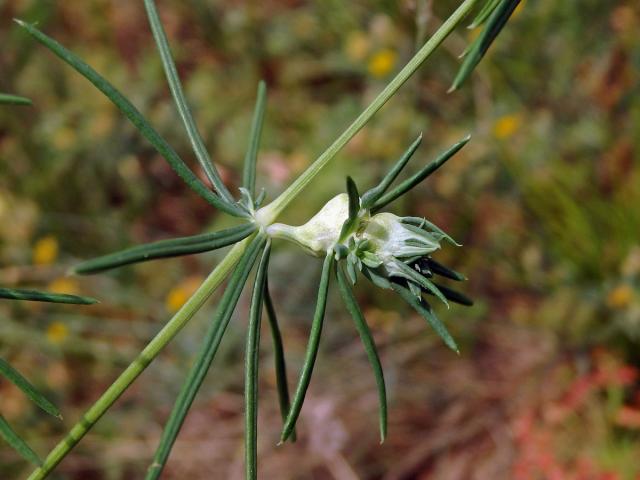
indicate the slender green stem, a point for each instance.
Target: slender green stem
{"x":252,"y":357}
{"x":279,"y":360}
{"x":181,"y":103}
{"x":268,"y":214}
{"x":312,"y":349}
{"x":205,"y":356}
{"x":141,"y":362}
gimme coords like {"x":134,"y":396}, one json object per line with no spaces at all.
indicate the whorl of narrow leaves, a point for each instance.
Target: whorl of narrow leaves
{"x":7,"y":99}
{"x":205,"y":356}
{"x":136,"y":118}
{"x":38,"y":296}
{"x":496,"y":13}
{"x":167,"y":248}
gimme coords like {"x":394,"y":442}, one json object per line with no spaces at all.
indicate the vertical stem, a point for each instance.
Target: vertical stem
{"x":145,"y":357}
{"x":268,"y":214}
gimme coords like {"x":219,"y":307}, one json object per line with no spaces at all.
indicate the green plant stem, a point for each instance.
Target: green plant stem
{"x":268,"y":214}
{"x":141,"y":362}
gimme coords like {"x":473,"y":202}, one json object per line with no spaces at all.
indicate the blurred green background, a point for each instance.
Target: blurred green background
{"x":545,"y":199}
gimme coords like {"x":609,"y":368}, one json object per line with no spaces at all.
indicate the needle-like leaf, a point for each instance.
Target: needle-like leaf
{"x":251,"y":157}
{"x":13,"y":439}
{"x":205,"y":356}
{"x":354,"y":208}
{"x":409,"y":273}
{"x":497,"y":20}
{"x":312,"y":350}
{"x":443,"y":271}
{"x":369,"y":346}
{"x":452,"y":295}
{"x":418,"y":177}
{"x":181,"y":102}
{"x":279,"y":360}
{"x":251,"y":364}
{"x":29,"y":390}
{"x":38,"y":296}
{"x":136,"y":118}
{"x":370,"y":197}
{"x":166,"y":248}
{"x":484,"y":13}
{"x":7,"y":99}
{"x":425,"y":310}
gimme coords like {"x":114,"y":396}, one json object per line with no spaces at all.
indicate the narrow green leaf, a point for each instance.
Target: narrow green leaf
{"x":279,"y":359}
{"x":497,"y":20}
{"x":38,"y":296}
{"x":371,"y":196}
{"x":205,"y":356}
{"x":29,"y":390}
{"x":13,"y":439}
{"x":181,"y":102}
{"x":453,"y":295}
{"x":425,"y":310}
{"x":7,"y":99}
{"x":484,"y":13}
{"x":166,"y":248}
{"x":312,"y":350}
{"x":418,"y":177}
{"x":251,"y":365}
{"x":136,"y":118}
{"x":412,"y":275}
{"x":354,"y":208}
{"x":369,"y":346}
{"x":251,"y":158}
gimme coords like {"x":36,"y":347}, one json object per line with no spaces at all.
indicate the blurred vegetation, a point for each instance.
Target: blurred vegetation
{"x":545,"y":199}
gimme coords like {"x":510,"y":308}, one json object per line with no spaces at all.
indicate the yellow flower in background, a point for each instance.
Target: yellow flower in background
{"x":357,"y":46}
{"x":382,"y":62}
{"x":64,"y":285}
{"x":57,"y":332}
{"x":45,"y":251}
{"x":620,"y":297}
{"x":507,"y":125}
{"x":179,"y":294}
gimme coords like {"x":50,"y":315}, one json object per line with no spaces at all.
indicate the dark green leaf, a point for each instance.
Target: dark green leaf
{"x":167,"y":248}
{"x":354,"y":208}
{"x":452,"y":295}
{"x":250,"y":159}
{"x":278,"y":355}
{"x":29,"y":390}
{"x":443,"y":271}
{"x":425,"y":310}
{"x":371,"y":196}
{"x":38,"y":296}
{"x":497,"y":20}
{"x":251,"y":364}
{"x":7,"y":99}
{"x":417,"y":278}
{"x":13,"y":439}
{"x":136,"y":118}
{"x":312,"y":349}
{"x":369,"y":346}
{"x":418,"y":177}
{"x":205,"y":356}
{"x":181,"y":103}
